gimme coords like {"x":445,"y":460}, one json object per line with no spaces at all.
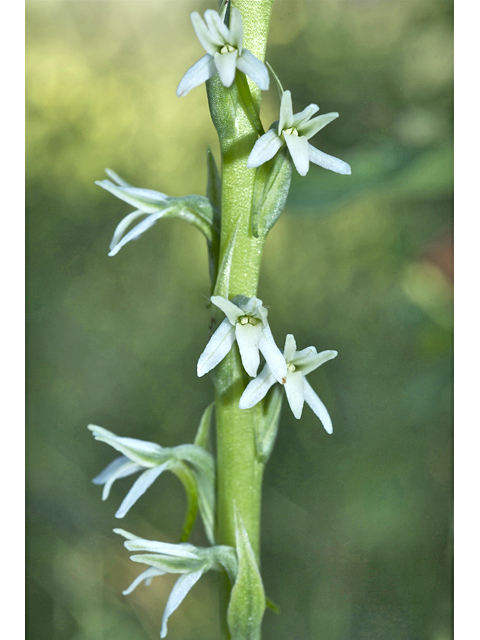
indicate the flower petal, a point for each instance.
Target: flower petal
{"x":248,"y":337}
{"x":123,"y":226}
{"x":104,"y":475}
{"x":229,"y":308}
{"x":146,"y":200}
{"x":254,"y":69}
{"x":305,"y":115}
{"x":126,"y":469}
{"x":236,"y":29}
{"x":309,"y":129}
{"x":317,"y":406}
{"x":219,"y":345}
{"x":264,"y":149}
{"x":179,"y":591}
{"x":166,"y":549}
{"x":290,"y":348}
{"x":328,"y":162}
{"x":209,"y":40}
{"x":254,"y":307}
{"x":142,"y":452}
{"x":273,"y":355}
{"x":181,"y":550}
{"x":137,"y":231}
{"x":117,"y":179}
{"x":298,"y":147}
{"x":139,"y":487}
{"x":303,"y":355}
{"x":217,"y":26}
{"x":286,"y":112}
{"x":226,"y":67}
{"x":295,"y":393}
{"x":312,"y":363}
{"x":200,"y":72}
{"x":257,"y":389}
{"x":145,"y":575}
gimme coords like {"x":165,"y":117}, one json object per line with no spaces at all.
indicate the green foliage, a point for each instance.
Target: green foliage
{"x":247,"y":599}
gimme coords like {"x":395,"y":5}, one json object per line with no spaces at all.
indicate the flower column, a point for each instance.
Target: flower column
{"x":239,"y":472}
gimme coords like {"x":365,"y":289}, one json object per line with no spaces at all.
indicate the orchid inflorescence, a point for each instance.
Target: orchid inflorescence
{"x":244,"y":329}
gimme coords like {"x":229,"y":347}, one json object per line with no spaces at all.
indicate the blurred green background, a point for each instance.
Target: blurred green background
{"x":356,"y":526}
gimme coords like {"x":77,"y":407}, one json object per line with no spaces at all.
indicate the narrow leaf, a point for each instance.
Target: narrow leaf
{"x":277,"y":80}
{"x":267,"y":428}
{"x":275,"y":192}
{"x":203,"y":431}
{"x":203,"y":467}
{"x":261,"y":175}
{"x":222,"y":284}
{"x":206,"y":503}
{"x":247,"y":103}
{"x":187,"y":478}
{"x":214,"y":183}
{"x":273,"y":606}
{"x":247,"y":600}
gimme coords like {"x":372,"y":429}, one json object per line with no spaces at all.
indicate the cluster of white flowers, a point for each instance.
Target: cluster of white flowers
{"x":246,"y":322}
{"x":225,"y":54}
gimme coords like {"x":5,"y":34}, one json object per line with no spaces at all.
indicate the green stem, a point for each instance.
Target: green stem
{"x":239,"y":471}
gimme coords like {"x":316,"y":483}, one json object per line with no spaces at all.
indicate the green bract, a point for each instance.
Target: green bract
{"x":247,"y":601}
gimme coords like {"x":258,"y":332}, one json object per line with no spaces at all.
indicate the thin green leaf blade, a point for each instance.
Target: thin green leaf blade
{"x":266,"y":428}
{"x":187,"y":478}
{"x":214,"y":183}
{"x":203,"y":431}
{"x":276,"y":192}
{"x":247,"y":600}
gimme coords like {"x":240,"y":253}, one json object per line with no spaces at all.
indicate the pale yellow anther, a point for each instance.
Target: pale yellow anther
{"x":292,"y":131}
{"x":244,"y":320}
{"x":227,"y":49}
{"x":291,"y":367}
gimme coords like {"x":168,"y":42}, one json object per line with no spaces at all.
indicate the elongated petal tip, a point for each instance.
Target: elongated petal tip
{"x":200,"y":72}
{"x":217,"y":348}
{"x":264,"y":149}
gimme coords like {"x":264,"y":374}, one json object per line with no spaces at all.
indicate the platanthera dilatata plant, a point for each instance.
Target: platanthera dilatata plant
{"x":242,"y":204}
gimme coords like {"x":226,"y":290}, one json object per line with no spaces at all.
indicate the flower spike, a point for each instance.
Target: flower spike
{"x":295,"y":130}
{"x":299,"y":364}
{"x":225,"y":53}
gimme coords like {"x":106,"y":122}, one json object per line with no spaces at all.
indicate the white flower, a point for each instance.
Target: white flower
{"x":246,"y":322}
{"x":185,"y":559}
{"x":152,"y":460}
{"x":298,"y":390}
{"x":295,"y":130}
{"x":225,"y":53}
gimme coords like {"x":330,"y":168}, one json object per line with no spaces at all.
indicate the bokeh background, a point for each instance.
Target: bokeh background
{"x":356,"y":526}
